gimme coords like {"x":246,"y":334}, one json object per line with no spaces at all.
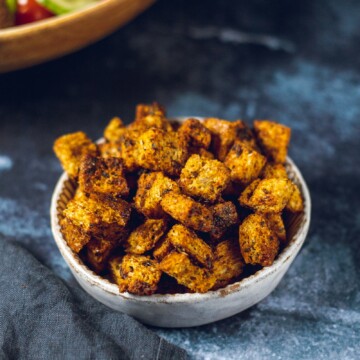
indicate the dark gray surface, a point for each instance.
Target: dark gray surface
{"x":197,"y":60}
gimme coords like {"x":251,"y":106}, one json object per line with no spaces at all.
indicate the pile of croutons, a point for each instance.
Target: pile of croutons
{"x":162,"y":206}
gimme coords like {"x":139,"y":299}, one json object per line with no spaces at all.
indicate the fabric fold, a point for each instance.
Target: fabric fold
{"x":41,"y":318}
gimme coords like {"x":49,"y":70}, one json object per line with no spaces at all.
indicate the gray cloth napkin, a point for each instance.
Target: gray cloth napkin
{"x":41,"y":318}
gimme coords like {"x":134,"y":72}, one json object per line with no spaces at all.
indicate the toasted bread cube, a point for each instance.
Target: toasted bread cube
{"x":271,"y":170}
{"x":148,"y":116}
{"x":205,"y":179}
{"x":75,"y":237}
{"x":102,"y":178}
{"x":128,"y":148}
{"x":276,"y":224}
{"x":145,"y":236}
{"x":244,"y":162}
{"x":224,"y":215}
{"x":247,"y":193}
{"x":158,"y":150}
{"x":123,"y":148}
{"x":196,"y":132}
{"x":144,"y":110}
{"x":179,"y":266}
{"x":162,"y":248}
{"x":224,"y":133}
{"x":187,"y":211}
{"x":136,"y":274}
{"x":258,"y":243}
{"x":110,"y":150}
{"x":185,"y":240}
{"x":274,"y":138}
{"x":296,"y":202}
{"x":98,"y":252}
{"x":228,"y":263}
{"x":115,"y":130}
{"x":267,"y":195}
{"x":70,"y":148}
{"x":151,"y":188}
{"x":99,"y":218}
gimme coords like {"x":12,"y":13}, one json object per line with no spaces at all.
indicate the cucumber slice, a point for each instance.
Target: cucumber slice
{"x":60,"y":7}
{"x":11,"y":5}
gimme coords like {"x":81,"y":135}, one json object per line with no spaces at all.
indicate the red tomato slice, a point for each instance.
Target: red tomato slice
{"x":28,"y":11}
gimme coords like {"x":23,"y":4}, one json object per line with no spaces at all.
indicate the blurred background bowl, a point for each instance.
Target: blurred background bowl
{"x":27,"y":45}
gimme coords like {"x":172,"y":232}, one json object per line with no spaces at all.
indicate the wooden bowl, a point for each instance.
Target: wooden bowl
{"x":185,"y":310}
{"x":27,"y":45}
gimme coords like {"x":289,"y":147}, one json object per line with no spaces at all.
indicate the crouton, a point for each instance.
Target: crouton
{"x":75,"y":237}
{"x":70,"y":148}
{"x":224,"y":133}
{"x":296,"y":202}
{"x":228,"y":263}
{"x":247,"y":193}
{"x":272,"y":170}
{"x":267,"y":195}
{"x":158,"y":150}
{"x":98,"y":252}
{"x":99,"y":218}
{"x":115,"y":130}
{"x":136,"y":274}
{"x":151,"y":188}
{"x":224,"y":215}
{"x":197,"y":134}
{"x":258,"y":243}
{"x":145,"y":236}
{"x":102,"y":178}
{"x":205,"y":179}
{"x":144,"y":110}
{"x":276,"y":224}
{"x":128,"y":148}
{"x":179,"y":266}
{"x":187,"y":211}
{"x":185,"y":240}
{"x":274,"y":139}
{"x":148,"y":116}
{"x":244,"y":162}
{"x":123,"y":148}
{"x":109,"y":150}
{"x":162,"y":248}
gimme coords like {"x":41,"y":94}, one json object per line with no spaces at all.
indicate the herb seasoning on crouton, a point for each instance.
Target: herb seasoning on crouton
{"x":70,"y":148}
{"x":163,"y":207}
{"x":187,"y":211}
{"x":203,"y":178}
{"x":136,"y":274}
{"x":258,"y":242}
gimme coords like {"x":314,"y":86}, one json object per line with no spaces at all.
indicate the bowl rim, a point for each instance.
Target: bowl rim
{"x":95,"y":280}
{"x":37,"y":26}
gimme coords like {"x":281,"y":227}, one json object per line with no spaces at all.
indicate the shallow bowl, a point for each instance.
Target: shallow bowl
{"x":185,"y":310}
{"x":31,"y":44}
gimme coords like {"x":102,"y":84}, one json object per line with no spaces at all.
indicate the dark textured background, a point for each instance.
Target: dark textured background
{"x":202,"y":58}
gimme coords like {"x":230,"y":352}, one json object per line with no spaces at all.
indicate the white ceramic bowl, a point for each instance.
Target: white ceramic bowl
{"x":185,"y":310}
